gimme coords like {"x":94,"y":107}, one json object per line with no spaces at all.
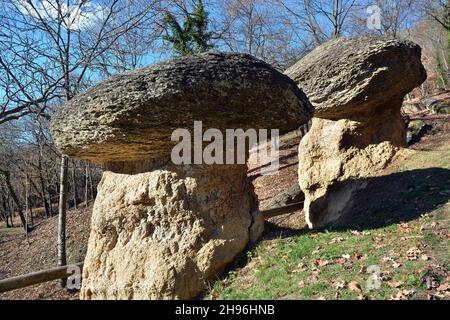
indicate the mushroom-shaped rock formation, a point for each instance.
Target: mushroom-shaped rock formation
{"x":131,"y":116}
{"x":160,"y":230}
{"x":356,"y":85}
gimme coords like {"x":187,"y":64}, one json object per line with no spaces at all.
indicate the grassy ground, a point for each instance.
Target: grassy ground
{"x":408,"y":260}
{"x":399,"y":252}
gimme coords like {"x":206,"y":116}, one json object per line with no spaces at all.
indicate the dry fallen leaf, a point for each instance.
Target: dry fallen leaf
{"x":363,"y":269}
{"x":404,"y":225}
{"x":402,"y":295}
{"x":246,"y":286}
{"x":424,"y":257}
{"x":413,"y":254}
{"x":354,"y":286}
{"x":337,"y":239}
{"x":396,"y":265}
{"x":339,"y":284}
{"x":321,"y":263}
{"x":356,"y":256}
{"x":362,"y":297}
{"x":443,"y":287}
{"x":395,"y":284}
{"x":430,"y":283}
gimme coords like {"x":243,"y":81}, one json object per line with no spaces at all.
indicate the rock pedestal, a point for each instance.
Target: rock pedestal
{"x":357,"y":86}
{"x":162,"y":233}
{"x":335,"y":155}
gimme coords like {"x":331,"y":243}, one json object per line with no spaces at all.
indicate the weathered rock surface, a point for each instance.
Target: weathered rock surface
{"x":160,"y":231}
{"x":131,"y":116}
{"x":161,"y":234}
{"x":348,"y":76}
{"x":416,"y":128}
{"x":332,"y":156}
{"x":357,"y":86}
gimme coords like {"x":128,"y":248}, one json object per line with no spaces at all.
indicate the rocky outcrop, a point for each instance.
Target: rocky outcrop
{"x":357,"y":87}
{"x":131,"y":116}
{"x":162,"y":233}
{"x":160,"y":230}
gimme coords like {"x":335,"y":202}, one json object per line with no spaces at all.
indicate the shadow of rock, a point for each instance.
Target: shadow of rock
{"x":398,"y":197}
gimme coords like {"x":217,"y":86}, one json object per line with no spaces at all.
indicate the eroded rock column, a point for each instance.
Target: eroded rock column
{"x":357,"y":86}
{"x":161,"y":234}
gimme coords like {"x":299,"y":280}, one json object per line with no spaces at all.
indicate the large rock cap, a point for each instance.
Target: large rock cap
{"x":348,"y":75}
{"x":131,"y":116}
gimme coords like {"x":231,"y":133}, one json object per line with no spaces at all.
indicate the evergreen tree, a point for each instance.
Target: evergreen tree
{"x":191,"y":37}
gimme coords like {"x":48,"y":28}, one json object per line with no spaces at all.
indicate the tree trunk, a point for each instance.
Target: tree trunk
{"x":5,"y":176}
{"x":8,"y":204}
{"x":62,"y":259}
{"x":86,"y":189}
{"x":5,"y":212}
{"x":31,"y":217}
{"x":26,"y":209}
{"x":336,"y":19}
{"x":93,"y":194}
{"x":42,"y":186}
{"x":48,"y":191}
{"x":74,"y":186}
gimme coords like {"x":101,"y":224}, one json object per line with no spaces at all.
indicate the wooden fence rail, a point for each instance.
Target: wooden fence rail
{"x":30,"y":279}
{"x":277,"y":211}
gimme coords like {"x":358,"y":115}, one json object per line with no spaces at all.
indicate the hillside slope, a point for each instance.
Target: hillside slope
{"x":406,"y":236}
{"x":394,"y":246}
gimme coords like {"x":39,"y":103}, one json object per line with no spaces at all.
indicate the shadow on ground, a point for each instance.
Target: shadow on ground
{"x":387,"y":200}
{"x":398,"y":197}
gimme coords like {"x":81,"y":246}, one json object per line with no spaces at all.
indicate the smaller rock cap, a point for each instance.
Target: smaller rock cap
{"x":348,"y":75}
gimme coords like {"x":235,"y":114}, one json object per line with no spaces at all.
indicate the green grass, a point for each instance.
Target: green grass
{"x":287,"y":268}
{"x":310,"y":264}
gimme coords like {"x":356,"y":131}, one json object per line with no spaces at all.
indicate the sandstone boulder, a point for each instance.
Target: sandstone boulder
{"x":160,"y":230}
{"x":357,"y":86}
{"x":162,"y":233}
{"x":348,"y":76}
{"x":132,"y":115}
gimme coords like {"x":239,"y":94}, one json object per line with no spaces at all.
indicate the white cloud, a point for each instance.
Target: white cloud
{"x":77,"y":15}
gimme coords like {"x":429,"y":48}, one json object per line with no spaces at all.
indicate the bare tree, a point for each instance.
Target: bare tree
{"x":50,"y":50}
{"x":439,"y":10}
